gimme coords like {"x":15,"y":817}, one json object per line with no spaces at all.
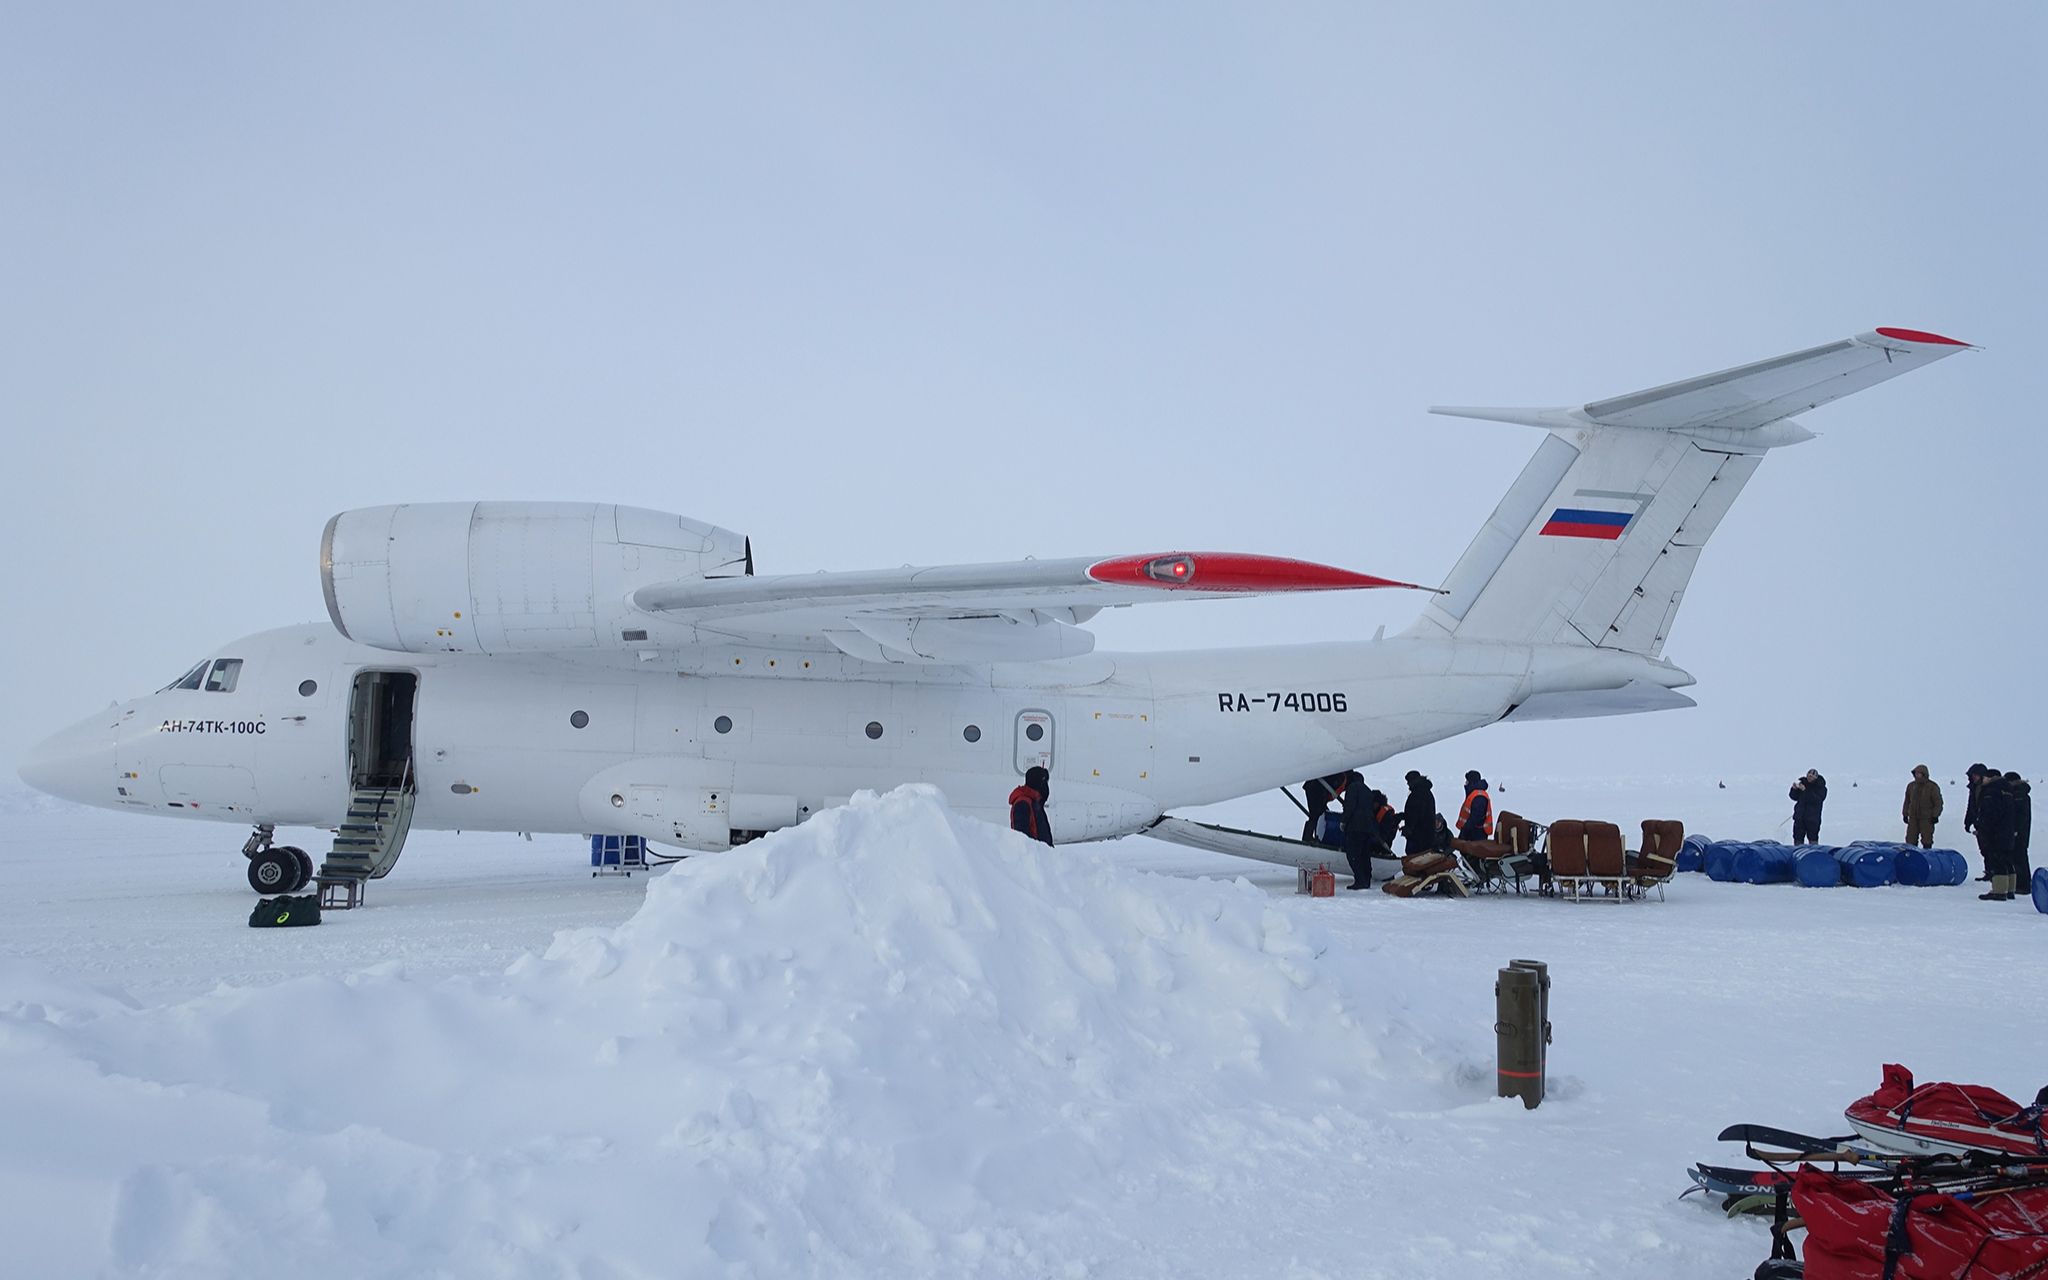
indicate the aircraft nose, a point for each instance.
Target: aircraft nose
{"x":76,"y":764}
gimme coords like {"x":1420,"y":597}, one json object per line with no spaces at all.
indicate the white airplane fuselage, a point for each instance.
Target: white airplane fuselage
{"x":760,"y":738}
{"x":592,"y":668}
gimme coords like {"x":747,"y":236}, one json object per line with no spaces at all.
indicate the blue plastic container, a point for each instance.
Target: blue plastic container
{"x":1816,"y":867}
{"x":618,"y":851}
{"x":2041,"y":890}
{"x":1692,"y":855}
{"x":1764,"y":863}
{"x":1926,"y":868}
{"x":1719,"y":860}
{"x":1330,"y":830}
{"x":1867,"y":865}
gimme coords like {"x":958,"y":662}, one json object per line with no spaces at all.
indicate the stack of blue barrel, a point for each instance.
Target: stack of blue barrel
{"x":1864,"y":864}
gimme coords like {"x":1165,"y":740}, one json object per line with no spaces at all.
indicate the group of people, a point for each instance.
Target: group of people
{"x":2001,"y":816}
{"x":1370,"y":823}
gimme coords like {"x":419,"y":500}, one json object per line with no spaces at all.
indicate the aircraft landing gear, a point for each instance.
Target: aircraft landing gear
{"x":274,"y":869}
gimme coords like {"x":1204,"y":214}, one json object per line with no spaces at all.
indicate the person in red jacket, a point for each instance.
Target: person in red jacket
{"x":1027,"y":805}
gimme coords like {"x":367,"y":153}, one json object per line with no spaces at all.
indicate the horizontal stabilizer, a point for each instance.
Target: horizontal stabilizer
{"x":1748,"y":397}
{"x":1583,"y":704}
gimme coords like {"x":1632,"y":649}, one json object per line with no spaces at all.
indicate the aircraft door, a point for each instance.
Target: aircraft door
{"x":1034,"y":740}
{"x":380,"y":722}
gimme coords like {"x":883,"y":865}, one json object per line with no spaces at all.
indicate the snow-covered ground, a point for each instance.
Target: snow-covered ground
{"x":894,"y":1042}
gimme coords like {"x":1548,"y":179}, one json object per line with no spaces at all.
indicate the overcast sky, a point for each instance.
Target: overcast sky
{"x":931,"y":283}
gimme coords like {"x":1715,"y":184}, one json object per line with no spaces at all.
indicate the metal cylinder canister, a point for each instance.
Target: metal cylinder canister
{"x":1542,"y":972}
{"x":1520,"y":993}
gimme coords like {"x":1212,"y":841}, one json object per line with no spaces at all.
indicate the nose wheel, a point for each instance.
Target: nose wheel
{"x":276,"y":868}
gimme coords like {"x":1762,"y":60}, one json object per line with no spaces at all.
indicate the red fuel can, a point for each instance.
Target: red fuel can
{"x":1322,"y":884}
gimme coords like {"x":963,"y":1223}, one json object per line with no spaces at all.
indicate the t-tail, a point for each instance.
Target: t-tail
{"x":1594,"y":543}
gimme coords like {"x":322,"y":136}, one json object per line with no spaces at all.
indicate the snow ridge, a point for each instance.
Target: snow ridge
{"x":888,"y":1041}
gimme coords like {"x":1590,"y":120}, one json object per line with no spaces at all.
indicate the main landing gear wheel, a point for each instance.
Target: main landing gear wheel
{"x":305,"y":861}
{"x":274,"y":870}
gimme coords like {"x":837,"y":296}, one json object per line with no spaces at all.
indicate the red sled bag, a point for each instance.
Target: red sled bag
{"x":1856,"y":1231}
{"x":1948,"y":1119}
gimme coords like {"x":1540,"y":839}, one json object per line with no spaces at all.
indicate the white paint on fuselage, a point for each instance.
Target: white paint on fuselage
{"x":495,"y":748}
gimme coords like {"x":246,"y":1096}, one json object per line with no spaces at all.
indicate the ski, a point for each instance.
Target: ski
{"x":1724,"y":1180}
{"x":1765,"y":1135}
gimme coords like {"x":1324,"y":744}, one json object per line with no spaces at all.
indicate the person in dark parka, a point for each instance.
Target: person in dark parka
{"x":1320,"y":792}
{"x":1361,"y":831}
{"x":1027,"y":805}
{"x":1976,"y":780}
{"x":1996,"y":811}
{"x":2016,"y":860}
{"x":1808,"y":794}
{"x":1418,"y":815}
{"x":1387,"y":818}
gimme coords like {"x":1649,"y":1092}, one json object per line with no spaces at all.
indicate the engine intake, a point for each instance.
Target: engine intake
{"x":512,"y":577}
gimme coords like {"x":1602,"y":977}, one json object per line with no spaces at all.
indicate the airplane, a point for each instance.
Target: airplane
{"x":589,"y":668}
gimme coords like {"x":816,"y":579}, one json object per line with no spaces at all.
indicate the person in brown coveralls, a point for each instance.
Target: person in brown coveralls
{"x":1922,"y":808}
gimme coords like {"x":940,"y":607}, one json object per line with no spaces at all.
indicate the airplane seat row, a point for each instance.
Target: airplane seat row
{"x":1588,"y":856}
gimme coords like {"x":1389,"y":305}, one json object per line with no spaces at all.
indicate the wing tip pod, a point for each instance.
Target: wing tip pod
{"x":1233,"y":572}
{"x":1918,"y":337}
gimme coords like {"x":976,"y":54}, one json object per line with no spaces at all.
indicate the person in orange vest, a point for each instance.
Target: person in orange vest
{"x":1027,"y":805}
{"x":1475,"y":816}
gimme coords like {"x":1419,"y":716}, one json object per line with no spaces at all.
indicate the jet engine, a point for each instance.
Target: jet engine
{"x":512,"y":577}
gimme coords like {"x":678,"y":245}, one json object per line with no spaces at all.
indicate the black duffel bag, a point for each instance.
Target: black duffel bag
{"x":285,"y":913}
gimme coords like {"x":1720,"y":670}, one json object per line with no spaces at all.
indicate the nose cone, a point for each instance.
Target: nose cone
{"x":77,"y":764}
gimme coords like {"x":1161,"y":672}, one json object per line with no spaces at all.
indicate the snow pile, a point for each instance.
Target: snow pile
{"x":890,"y":1041}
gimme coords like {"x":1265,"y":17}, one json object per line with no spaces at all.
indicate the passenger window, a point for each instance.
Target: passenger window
{"x":190,"y":680}
{"x":226,"y":672}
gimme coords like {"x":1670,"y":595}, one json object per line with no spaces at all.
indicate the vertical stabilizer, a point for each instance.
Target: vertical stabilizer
{"x":1597,"y":538}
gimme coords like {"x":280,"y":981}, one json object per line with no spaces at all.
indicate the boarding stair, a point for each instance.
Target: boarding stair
{"x":367,"y":843}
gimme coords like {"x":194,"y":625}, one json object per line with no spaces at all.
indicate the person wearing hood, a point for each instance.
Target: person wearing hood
{"x":1922,"y":808}
{"x":1027,"y":805}
{"x":1976,"y":783}
{"x":1361,"y":830}
{"x":1808,"y":794}
{"x":1997,"y":811}
{"x":2016,"y":860}
{"x":1418,"y":815}
{"x":1475,"y":816}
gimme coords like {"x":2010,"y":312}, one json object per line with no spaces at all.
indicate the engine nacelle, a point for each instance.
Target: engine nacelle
{"x":512,"y":577}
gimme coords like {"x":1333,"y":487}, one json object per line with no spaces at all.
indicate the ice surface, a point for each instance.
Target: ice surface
{"x":897,"y":1042}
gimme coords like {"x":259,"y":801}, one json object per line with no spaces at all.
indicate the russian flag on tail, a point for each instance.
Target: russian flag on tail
{"x":1579,"y":522}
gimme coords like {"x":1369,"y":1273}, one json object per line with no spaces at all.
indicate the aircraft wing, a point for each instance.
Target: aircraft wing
{"x":1021,"y":611}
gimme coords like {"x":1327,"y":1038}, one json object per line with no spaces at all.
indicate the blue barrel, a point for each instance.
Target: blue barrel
{"x":2041,"y":890}
{"x":1867,"y":865}
{"x":1926,"y":868}
{"x":1719,"y":860}
{"x":1692,"y":855}
{"x":1330,"y":830}
{"x":1816,"y":867}
{"x":1764,"y":863}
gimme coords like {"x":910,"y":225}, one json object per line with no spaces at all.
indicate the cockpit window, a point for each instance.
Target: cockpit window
{"x":226,"y":671}
{"x":191,"y":679}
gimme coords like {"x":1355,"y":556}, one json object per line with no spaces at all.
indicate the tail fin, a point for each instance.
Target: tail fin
{"x":1595,"y":541}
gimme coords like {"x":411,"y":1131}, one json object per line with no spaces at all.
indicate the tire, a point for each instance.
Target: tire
{"x":305,"y":861}
{"x":273,"y":871}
